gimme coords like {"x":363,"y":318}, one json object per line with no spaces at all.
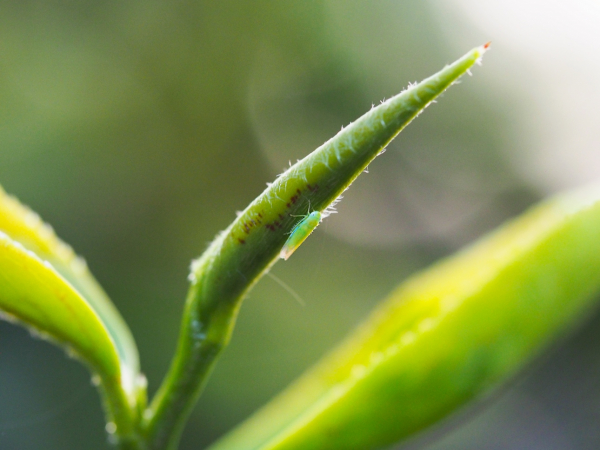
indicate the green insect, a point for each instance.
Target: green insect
{"x":299,"y":233}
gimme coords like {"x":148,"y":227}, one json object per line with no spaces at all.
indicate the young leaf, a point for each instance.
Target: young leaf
{"x":25,"y":226}
{"x":444,"y":336}
{"x":243,"y":252}
{"x":44,"y":286}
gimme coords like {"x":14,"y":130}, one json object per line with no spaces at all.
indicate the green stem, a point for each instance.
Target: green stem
{"x":241,"y":254}
{"x":121,"y":415}
{"x":200,"y":343}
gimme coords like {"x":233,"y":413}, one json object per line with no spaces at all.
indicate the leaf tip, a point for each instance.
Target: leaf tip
{"x":481,"y":50}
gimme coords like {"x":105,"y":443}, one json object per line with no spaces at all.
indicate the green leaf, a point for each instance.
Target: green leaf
{"x":242,"y":253}
{"x":47,"y":288}
{"x":444,"y":337}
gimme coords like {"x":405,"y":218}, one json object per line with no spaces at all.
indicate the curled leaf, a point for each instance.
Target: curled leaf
{"x":47,"y":288}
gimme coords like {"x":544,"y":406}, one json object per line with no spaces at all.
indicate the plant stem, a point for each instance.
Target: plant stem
{"x":200,"y":343}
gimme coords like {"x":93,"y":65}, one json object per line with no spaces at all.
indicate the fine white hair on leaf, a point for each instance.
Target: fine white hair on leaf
{"x":350,"y":144}
{"x":194,"y":267}
{"x":337,"y":152}
{"x":276,"y":197}
{"x":331,"y":208}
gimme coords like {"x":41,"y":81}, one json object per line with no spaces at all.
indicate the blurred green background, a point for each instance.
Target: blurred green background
{"x":137,"y":129}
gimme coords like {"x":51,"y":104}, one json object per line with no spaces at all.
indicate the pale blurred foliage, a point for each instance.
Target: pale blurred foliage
{"x":138,"y":129}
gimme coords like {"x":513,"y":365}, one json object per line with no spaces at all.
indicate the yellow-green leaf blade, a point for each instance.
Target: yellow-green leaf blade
{"x":25,"y":226}
{"x":34,"y":294}
{"x":444,"y":337}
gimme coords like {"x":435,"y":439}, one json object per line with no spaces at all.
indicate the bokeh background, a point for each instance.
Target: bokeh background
{"x":137,"y":129}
